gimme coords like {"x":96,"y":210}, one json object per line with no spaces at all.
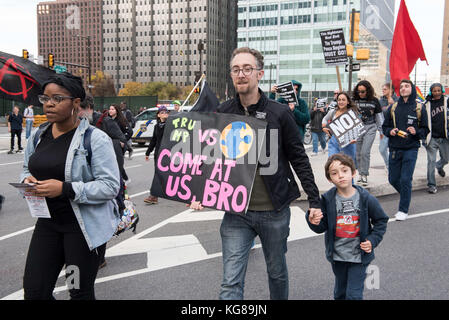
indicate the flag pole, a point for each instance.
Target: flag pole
{"x":203,"y":76}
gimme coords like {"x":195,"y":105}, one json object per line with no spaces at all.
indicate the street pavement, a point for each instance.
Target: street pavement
{"x":176,"y":252}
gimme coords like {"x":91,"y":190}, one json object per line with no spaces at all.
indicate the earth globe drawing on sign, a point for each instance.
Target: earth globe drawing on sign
{"x":236,"y":139}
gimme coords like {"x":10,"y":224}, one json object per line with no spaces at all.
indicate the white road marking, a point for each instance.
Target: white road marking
{"x":171,"y":251}
{"x":8,"y":163}
{"x":16,"y":233}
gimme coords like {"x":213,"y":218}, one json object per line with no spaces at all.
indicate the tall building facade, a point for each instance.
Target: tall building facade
{"x":159,"y":40}
{"x":287,"y":34}
{"x":65,"y":27}
{"x":444,"y":73}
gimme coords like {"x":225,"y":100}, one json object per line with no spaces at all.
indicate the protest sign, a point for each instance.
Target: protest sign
{"x":208,"y":157}
{"x":334,"y":47}
{"x":346,"y":128}
{"x":287,"y":92}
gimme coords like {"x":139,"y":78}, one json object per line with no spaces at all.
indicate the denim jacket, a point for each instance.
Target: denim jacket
{"x":95,"y":186}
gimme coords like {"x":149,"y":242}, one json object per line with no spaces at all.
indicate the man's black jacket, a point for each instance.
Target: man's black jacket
{"x":281,"y":185}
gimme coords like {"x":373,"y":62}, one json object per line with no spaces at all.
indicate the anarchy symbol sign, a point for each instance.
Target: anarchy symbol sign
{"x":15,"y":80}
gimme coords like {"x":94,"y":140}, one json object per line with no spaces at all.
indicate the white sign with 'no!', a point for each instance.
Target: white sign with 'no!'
{"x":347,"y":128}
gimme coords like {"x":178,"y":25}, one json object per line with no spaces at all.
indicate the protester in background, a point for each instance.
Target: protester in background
{"x":333,"y":103}
{"x":387,"y":100}
{"x":268,"y":214}
{"x":372,"y":118}
{"x":354,"y":223}
{"x":132,"y":123}
{"x":115,"y":114}
{"x":112,"y":129}
{"x":79,"y":196}
{"x":344,"y":104}
{"x":15,"y":121}
{"x":300,"y":111}
{"x":155,"y":143}
{"x":316,"y":118}
{"x":404,"y":126}
{"x":29,"y":116}
{"x":437,"y":139}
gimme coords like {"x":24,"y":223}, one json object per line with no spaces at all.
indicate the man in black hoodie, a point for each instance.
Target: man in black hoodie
{"x":405,"y":124}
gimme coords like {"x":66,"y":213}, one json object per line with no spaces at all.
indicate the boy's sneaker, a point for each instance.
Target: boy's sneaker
{"x":401,"y":216}
{"x":150,"y":200}
{"x":432,"y":189}
{"x":441,"y":172}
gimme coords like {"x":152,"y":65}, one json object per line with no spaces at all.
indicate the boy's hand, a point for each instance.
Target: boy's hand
{"x":315,"y":216}
{"x":366,"y":246}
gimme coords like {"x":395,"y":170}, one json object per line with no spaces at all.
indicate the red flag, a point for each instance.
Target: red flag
{"x":406,"y":48}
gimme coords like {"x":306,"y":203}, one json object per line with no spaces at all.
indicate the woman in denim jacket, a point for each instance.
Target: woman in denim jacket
{"x":79,"y":193}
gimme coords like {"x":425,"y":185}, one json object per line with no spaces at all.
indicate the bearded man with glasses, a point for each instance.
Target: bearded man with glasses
{"x":268,"y":214}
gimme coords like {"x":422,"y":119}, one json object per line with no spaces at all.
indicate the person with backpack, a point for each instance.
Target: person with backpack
{"x":132,"y":122}
{"x":405,"y":125}
{"x":437,"y":139}
{"x":372,"y":118}
{"x":155,"y":143}
{"x":80,"y":197}
{"x":386,"y":101}
{"x":112,"y":129}
{"x":115,"y":114}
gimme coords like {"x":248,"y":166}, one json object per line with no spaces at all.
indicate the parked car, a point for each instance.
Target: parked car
{"x":145,"y":121}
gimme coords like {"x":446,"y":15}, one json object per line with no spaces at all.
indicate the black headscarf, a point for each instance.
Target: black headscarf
{"x":68,"y":81}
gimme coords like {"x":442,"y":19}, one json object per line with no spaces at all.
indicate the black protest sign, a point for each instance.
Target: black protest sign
{"x":334,"y":47}
{"x":347,"y":127}
{"x":208,"y":157}
{"x":287,"y":92}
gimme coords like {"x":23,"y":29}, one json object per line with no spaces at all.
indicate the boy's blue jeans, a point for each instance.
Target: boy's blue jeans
{"x":349,"y":280}
{"x":400,"y":174}
{"x":237,"y":234}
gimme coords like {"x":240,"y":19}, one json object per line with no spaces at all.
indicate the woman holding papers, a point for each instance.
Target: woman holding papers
{"x":73,"y":166}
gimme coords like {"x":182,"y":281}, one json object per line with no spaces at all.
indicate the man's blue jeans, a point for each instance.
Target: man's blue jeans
{"x":29,"y":127}
{"x":237,"y":234}
{"x":321,"y":136}
{"x":400,"y":174}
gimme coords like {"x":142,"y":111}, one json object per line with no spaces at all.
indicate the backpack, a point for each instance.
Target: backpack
{"x":418,"y":112}
{"x":130,"y":217}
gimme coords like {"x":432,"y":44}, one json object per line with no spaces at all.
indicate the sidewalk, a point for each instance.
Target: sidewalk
{"x":378,"y":178}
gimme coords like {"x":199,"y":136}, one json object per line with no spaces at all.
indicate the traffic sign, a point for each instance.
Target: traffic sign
{"x":355,"y":67}
{"x":60,"y":69}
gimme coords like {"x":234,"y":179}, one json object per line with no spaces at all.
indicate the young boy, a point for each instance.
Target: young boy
{"x":354,"y":223}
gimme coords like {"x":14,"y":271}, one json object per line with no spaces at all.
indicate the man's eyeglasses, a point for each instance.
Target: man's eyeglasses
{"x":245,"y":70}
{"x":55,"y":99}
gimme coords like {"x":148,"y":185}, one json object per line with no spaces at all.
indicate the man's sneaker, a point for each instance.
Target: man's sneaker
{"x":20,"y":150}
{"x":432,"y":189}
{"x":441,"y":172}
{"x":150,"y":200}
{"x":401,"y":216}
{"x":314,"y":154}
{"x":364,"y":180}
{"x":10,"y":152}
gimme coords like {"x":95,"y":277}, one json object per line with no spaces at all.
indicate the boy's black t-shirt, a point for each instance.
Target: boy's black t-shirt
{"x":48,"y":162}
{"x":437,"y":118}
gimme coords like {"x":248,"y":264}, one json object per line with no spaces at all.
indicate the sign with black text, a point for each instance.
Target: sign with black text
{"x":287,"y":92}
{"x":347,"y":127}
{"x":208,"y":157}
{"x":334,"y":47}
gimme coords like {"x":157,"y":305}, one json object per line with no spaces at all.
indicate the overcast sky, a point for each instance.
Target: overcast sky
{"x":19,"y":30}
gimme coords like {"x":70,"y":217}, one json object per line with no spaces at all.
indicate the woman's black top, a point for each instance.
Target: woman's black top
{"x":48,"y":162}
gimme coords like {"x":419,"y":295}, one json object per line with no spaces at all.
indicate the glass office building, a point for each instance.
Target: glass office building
{"x":287,"y":34}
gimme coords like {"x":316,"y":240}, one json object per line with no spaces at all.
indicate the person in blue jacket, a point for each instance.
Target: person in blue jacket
{"x":354,"y":224}
{"x":300,"y":110}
